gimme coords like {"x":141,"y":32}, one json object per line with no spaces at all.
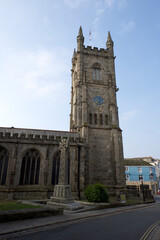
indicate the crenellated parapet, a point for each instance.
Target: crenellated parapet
{"x":37,"y":135}
{"x":96,"y":51}
{"x":93,"y":51}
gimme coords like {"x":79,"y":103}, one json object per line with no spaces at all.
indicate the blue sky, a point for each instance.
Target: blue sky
{"x":37,"y":38}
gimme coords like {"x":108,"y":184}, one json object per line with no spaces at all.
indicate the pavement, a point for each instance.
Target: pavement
{"x":14,"y":228}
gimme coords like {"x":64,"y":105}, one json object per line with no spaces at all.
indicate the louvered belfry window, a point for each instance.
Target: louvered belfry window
{"x":4,"y":157}
{"x":96,"y":72}
{"x":30,"y":168}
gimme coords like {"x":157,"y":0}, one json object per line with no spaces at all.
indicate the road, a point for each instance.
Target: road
{"x":125,"y":225}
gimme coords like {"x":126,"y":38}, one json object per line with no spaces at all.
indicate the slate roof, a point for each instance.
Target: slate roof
{"x":135,"y":162}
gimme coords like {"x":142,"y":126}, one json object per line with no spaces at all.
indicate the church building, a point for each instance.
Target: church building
{"x":30,"y":158}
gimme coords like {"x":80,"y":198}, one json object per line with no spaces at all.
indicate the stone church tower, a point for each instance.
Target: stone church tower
{"x":31,"y":159}
{"x":94,"y":113}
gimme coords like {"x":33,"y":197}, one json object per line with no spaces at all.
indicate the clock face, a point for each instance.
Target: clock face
{"x":98,"y":100}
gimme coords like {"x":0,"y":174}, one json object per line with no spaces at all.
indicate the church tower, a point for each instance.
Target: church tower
{"x":94,"y":113}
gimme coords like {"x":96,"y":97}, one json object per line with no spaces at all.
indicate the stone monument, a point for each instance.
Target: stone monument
{"x":62,"y":191}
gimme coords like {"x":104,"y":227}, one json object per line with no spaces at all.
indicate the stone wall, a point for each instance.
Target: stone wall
{"x":18,"y":141}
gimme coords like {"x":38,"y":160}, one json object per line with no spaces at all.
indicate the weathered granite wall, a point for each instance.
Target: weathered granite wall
{"x":18,"y":141}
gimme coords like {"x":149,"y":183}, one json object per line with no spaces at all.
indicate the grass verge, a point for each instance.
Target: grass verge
{"x":14,"y":205}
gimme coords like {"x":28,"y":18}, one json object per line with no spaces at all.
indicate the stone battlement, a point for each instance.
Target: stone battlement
{"x":37,"y":134}
{"x":95,"y":50}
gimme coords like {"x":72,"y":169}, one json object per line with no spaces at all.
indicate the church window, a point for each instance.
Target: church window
{"x":96,"y":73}
{"x":101,"y":119}
{"x":106,"y":119}
{"x":30,"y":168}
{"x":4,"y":157}
{"x":55,"y":168}
{"x":90,"y":118}
{"x":95,"y":118}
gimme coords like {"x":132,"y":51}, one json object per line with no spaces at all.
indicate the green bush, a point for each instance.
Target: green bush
{"x":96,"y":193}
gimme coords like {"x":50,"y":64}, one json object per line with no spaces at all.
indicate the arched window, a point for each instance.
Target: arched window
{"x":4,"y":157}
{"x":96,"y":71}
{"x":55,"y":168}
{"x":30,"y":168}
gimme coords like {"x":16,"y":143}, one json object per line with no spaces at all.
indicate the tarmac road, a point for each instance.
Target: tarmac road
{"x":125,"y":225}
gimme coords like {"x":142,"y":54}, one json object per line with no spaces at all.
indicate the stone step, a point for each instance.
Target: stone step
{"x":74,"y":206}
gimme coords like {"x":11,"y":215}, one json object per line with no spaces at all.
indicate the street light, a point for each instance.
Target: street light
{"x":143,"y":191}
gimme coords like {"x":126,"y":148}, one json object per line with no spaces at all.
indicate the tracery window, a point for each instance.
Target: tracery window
{"x":96,"y":73}
{"x":55,"y":168}
{"x":4,"y":157}
{"x":30,"y":168}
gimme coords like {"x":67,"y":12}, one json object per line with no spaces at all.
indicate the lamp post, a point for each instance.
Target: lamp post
{"x":143,"y":191}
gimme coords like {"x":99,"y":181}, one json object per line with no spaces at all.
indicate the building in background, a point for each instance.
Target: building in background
{"x":138,"y":170}
{"x":156,"y":163}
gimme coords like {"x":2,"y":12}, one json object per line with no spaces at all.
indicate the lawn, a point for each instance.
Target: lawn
{"x":14,"y":205}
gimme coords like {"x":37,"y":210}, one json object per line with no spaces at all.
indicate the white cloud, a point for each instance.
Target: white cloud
{"x":100,"y":11}
{"x":102,"y":5}
{"x":110,"y":3}
{"x":73,"y":3}
{"x":126,"y":27}
{"x":40,"y":74}
{"x":121,"y":4}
